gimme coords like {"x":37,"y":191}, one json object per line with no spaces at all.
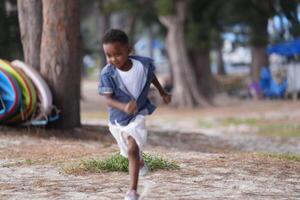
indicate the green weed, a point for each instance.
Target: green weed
{"x":119,"y":163}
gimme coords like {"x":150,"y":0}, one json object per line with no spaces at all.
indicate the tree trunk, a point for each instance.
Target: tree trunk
{"x":259,"y":60}
{"x":258,"y":42}
{"x":31,"y":22}
{"x":186,"y":91}
{"x":60,"y":58}
{"x":220,"y":63}
{"x":105,"y":25}
{"x":130,"y":27}
{"x":205,"y":81}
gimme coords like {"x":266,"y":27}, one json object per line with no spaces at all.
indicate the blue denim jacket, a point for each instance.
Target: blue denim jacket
{"x":111,"y":83}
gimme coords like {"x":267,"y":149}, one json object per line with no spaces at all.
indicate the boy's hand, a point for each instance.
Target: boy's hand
{"x":130,"y":107}
{"x":167,"y":98}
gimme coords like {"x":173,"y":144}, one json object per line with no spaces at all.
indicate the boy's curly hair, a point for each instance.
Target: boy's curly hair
{"x":115,"y":35}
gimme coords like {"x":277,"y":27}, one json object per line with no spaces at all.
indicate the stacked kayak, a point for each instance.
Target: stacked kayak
{"x":10,"y":96}
{"x":25,"y":98}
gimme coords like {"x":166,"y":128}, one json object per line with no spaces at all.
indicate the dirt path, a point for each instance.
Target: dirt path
{"x":215,"y":162}
{"x":32,"y":168}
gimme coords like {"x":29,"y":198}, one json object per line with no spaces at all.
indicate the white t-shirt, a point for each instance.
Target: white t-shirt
{"x":133,"y":79}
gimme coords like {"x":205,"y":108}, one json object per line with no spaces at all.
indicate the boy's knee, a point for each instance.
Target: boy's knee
{"x":133,"y":148}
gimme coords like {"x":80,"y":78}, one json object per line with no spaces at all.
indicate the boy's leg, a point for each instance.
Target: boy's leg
{"x":134,"y":162}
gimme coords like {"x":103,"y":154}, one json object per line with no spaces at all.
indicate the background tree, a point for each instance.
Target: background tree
{"x":114,"y":15}
{"x":203,"y":33}
{"x":186,"y":93}
{"x":255,"y":14}
{"x":105,"y":16}
{"x":290,"y":9}
{"x":10,"y":44}
{"x":217,"y":45}
{"x":3,"y":32}
{"x":128,"y":16}
{"x":60,"y":58}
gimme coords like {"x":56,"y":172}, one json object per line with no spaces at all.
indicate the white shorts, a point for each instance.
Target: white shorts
{"x":135,"y":129}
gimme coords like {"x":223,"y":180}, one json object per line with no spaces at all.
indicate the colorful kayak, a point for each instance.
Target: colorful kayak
{"x":2,"y":106}
{"x":28,"y":93}
{"x":44,"y":93}
{"x":10,"y":96}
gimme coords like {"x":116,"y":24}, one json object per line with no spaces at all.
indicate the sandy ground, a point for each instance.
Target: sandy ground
{"x":32,"y":168}
{"x":215,"y":162}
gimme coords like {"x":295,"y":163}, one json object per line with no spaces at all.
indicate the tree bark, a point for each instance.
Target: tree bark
{"x":130,"y":27}
{"x":31,"y":22}
{"x":259,"y":38}
{"x":60,"y":58}
{"x":201,"y":64}
{"x":220,"y":62}
{"x":186,"y":91}
{"x":259,"y":60}
{"x":105,"y":25}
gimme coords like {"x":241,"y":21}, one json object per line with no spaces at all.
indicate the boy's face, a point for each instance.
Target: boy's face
{"x":116,"y":54}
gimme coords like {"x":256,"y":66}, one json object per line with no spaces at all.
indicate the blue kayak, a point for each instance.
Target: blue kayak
{"x":10,"y":96}
{"x":2,"y":106}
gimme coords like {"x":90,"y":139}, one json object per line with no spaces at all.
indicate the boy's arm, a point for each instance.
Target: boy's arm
{"x":129,"y":107}
{"x":166,"y":97}
{"x":157,"y":84}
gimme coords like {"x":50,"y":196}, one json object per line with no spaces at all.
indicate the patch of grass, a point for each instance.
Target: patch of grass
{"x":119,"y":163}
{"x":113,"y":163}
{"x":235,"y":121}
{"x":205,"y":124}
{"x":282,"y":156}
{"x":157,"y":162}
{"x":266,"y":128}
{"x":286,"y":130}
{"x":31,"y":162}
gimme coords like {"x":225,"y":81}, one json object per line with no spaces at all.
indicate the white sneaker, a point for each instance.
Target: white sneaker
{"x":131,"y":195}
{"x":144,"y":170}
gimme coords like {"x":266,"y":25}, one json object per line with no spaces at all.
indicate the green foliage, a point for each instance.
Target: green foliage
{"x":157,"y":162}
{"x":204,"y":23}
{"x":254,"y":14}
{"x":132,"y":7}
{"x":197,"y":36}
{"x":113,"y":163}
{"x":117,"y":162}
{"x":146,"y":15}
{"x":165,"y":7}
{"x":109,"y":6}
